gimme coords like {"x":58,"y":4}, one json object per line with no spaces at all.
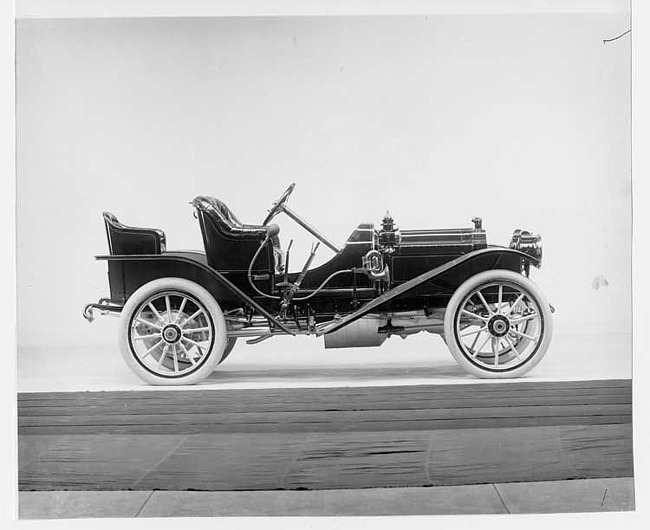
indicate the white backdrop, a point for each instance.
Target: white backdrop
{"x":522,"y":120}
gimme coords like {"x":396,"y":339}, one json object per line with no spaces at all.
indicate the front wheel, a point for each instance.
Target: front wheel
{"x":172,"y":332}
{"x":498,"y":324}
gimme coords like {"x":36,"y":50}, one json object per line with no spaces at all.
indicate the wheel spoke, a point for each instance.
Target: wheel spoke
{"x":495,"y":350}
{"x":195,"y":330}
{"x":500,"y":299}
{"x":476,"y":352}
{"x":512,"y":307}
{"x":147,"y":323}
{"x":187,"y":354}
{"x":175,"y":356}
{"x":519,"y":320}
{"x":474,"y":315}
{"x":475,"y":341}
{"x":517,"y":332}
{"x":145,"y":337}
{"x":148,"y":352}
{"x":194,"y":315}
{"x":469,"y":333}
{"x":155,"y":312}
{"x":192,"y":342}
{"x":489,"y":310}
{"x":512,"y":347}
{"x":180,"y":310}
{"x":162,"y":356}
{"x":169,"y":308}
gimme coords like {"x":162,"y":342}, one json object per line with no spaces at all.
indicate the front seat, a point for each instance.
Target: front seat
{"x":231,"y":244}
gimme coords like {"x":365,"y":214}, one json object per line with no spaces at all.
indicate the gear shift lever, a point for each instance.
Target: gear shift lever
{"x":289,"y":289}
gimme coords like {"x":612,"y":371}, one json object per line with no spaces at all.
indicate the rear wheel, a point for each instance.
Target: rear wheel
{"x":172,"y":332}
{"x":498,"y":324}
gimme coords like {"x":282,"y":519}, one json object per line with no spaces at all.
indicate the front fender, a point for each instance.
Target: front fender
{"x":455,"y":272}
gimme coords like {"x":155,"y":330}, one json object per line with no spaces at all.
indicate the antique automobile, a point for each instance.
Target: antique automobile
{"x":181,"y":313}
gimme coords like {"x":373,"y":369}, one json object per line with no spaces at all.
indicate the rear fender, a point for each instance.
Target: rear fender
{"x":127,"y":273}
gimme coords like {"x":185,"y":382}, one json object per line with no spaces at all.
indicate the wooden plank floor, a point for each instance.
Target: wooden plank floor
{"x":313,"y":438}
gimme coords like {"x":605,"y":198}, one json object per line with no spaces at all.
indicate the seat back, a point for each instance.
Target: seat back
{"x":124,"y":239}
{"x":230,"y":244}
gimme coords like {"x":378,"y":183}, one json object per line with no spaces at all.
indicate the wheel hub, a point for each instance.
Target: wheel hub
{"x":171,"y":334}
{"x":499,"y":326}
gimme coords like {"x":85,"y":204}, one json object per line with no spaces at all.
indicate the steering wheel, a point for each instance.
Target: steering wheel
{"x":278,"y":205}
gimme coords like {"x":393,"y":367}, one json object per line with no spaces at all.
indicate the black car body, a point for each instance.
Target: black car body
{"x":182,"y":312}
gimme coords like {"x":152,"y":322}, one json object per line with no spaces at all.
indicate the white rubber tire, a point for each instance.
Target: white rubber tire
{"x":211,"y":358}
{"x":475,"y":282}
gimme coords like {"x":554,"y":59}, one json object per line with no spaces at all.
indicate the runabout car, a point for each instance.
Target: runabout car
{"x":182,"y":312}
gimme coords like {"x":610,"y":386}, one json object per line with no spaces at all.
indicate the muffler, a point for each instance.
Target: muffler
{"x":360,"y":334}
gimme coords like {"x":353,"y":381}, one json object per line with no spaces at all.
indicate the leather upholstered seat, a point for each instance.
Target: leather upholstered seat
{"x":229,"y":243}
{"x":124,"y":239}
